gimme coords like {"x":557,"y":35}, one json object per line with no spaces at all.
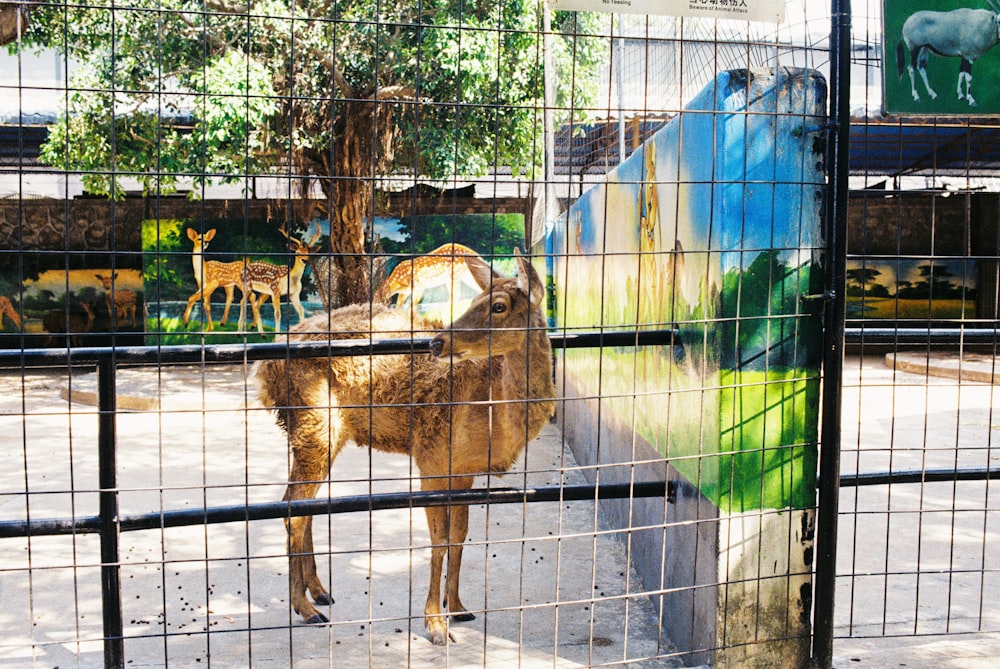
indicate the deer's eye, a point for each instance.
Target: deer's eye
{"x":499,"y":307}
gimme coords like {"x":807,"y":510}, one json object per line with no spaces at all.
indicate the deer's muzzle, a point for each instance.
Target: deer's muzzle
{"x":437,"y":346}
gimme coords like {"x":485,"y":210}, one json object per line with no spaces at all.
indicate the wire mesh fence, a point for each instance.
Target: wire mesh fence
{"x":201,"y":199}
{"x":918,"y":521}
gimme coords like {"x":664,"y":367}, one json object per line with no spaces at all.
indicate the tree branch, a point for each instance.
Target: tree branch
{"x":227,"y":6}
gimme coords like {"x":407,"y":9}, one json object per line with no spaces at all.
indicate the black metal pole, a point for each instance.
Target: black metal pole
{"x":833,"y":340}
{"x":111,"y":591}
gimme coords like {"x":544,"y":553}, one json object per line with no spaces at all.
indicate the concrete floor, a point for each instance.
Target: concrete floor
{"x":925,"y":581}
{"x":550,"y":585}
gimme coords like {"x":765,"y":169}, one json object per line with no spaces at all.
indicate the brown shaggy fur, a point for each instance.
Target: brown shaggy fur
{"x":468,"y":407}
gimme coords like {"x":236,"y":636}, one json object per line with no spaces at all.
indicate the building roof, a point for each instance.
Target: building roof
{"x":940,"y":146}
{"x":878,"y":146}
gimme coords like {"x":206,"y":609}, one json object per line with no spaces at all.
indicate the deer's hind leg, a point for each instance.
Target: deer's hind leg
{"x":229,"y":303}
{"x":311,"y":460}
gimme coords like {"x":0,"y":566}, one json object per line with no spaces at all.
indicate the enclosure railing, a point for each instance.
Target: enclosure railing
{"x":953,"y":339}
{"x":109,"y":524}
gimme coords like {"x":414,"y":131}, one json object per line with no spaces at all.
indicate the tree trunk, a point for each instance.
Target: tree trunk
{"x":363,"y":139}
{"x":13,"y":21}
{"x":350,"y":195}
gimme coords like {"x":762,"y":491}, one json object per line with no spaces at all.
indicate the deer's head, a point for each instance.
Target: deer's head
{"x":200,"y":241}
{"x":299,"y":247}
{"x":498,"y":320}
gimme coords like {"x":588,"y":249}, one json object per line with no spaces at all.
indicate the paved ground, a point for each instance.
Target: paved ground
{"x":925,"y":578}
{"x":554,"y":582}
{"x":556,"y":585}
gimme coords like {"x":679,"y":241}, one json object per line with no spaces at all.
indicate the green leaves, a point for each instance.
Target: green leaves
{"x":172,"y":90}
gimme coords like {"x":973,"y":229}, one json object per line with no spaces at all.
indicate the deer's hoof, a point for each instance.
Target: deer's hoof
{"x":324,"y":599}
{"x":441,"y":638}
{"x":463,"y":617}
{"x":317,"y":619}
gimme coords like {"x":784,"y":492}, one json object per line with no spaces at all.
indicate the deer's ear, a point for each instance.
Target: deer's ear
{"x":192,"y":233}
{"x":528,"y":280}
{"x":481,"y":272}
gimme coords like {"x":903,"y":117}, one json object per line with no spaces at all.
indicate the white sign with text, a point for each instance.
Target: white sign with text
{"x":771,"y":11}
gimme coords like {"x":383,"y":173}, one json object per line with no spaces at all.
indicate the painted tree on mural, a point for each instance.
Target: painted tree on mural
{"x":860,"y":280}
{"x":935,"y":282}
{"x":331,"y":92}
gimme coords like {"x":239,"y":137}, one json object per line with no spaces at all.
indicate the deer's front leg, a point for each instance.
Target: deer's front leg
{"x":458,"y":531}
{"x":190,"y":306}
{"x":445,"y":524}
{"x":276,"y":301}
{"x":437,"y":525}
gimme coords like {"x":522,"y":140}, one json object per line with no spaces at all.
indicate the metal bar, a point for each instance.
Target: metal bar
{"x":346,"y":504}
{"x":111,"y":591}
{"x":828,"y":490}
{"x":418,"y":499}
{"x":922,"y":336}
{"x":229,"y":353}
{"x":919,"y":476}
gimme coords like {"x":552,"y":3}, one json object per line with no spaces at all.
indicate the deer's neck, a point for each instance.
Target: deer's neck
{"x":198,"y":262}
{"x":523,"y":377}
{"x":518,"y":380}
{"x":298,"y":267}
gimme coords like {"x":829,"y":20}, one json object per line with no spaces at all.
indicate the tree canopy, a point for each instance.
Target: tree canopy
{"x":225,"y":89}
{"x":337,"y":92}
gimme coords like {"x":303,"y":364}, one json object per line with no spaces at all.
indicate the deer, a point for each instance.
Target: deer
{"x":7,"y":309}
{"x":72,"y":323}
{"x":409,"y":278}
{"x":272,"y":280}
{"x":210,"y":275}
{"x":120,"y":301}
{"x":467,"y":407}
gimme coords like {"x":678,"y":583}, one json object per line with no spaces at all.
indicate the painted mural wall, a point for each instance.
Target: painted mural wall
{"x":713,"y":228}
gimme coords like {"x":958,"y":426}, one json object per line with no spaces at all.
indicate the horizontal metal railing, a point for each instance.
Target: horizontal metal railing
{"x":922,"y":336}
{"x":953,"y":337}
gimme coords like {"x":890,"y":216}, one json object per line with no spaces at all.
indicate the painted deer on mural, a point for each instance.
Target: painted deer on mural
{"x":7,"y":309}
{"x":121,"y":302}
{"x":408,"y":278}
{"x":210,"y":275}
{"x":272,"y":280}
{"x":411,"y":278}
{"x":468,"y":407}
{"x":651,"y":290}
{"x":73,"y":324}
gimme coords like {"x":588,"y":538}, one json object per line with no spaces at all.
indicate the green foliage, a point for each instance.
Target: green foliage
{"x":172,"y":332}
{"x":763,"y":317}
{"x":172,"y":89}
{"x":486,"y":233}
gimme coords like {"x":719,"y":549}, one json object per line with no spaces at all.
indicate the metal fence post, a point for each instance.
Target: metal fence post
{"x":825,"y":586}
{"x":111,"y":592}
